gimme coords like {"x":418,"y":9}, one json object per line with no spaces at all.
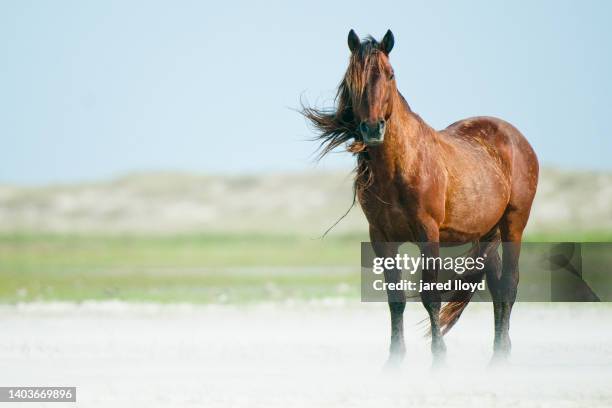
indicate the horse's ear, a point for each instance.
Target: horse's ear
{"x":387,"y":42}
{"x":353,"y":41}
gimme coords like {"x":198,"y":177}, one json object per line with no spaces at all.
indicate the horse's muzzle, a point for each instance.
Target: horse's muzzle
{"x":373,"y":133}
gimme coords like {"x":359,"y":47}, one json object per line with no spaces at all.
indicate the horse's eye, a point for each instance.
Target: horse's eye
{"x":391,"y":77}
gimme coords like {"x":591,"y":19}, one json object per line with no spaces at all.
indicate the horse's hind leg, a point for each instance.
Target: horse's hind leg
{"x":493,"y":270}
{"x":504,"y":288}
{"x":431,"y":299}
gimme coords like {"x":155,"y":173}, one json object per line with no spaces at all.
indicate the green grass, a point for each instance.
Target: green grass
{"x":189,"y":268}
{"x":193,"y":268}
{"x":23,"y":251}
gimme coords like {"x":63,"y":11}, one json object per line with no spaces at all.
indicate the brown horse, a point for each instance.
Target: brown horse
{"x":473,"y":182}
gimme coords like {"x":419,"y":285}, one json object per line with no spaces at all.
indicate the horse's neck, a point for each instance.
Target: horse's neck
{"x":408,"y":139}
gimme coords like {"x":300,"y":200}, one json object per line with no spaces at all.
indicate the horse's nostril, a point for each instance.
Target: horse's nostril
{"x":381,"y":123}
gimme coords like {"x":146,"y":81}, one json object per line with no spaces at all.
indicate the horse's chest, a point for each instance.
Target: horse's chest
{"x":390,"y":211}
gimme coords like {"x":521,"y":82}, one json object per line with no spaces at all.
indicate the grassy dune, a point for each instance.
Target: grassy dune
{"x":137,"y":237}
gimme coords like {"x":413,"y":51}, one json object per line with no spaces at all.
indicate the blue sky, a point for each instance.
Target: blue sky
{"x":96,"y":89}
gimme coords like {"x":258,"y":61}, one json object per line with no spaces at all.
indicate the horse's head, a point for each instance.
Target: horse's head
{"x":365,"y":99}
{"x":370,"y":84}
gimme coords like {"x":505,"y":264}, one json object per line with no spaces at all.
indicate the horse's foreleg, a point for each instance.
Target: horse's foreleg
{"x":397,"y":304}
{"x":396,"y":298}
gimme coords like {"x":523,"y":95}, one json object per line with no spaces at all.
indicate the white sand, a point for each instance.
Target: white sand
{"x":122,"y":355}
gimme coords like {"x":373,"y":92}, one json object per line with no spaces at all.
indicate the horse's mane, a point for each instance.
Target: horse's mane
{"x":337,"y":126}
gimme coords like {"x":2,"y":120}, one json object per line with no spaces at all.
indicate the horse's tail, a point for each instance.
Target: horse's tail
{"x":459,"y":299}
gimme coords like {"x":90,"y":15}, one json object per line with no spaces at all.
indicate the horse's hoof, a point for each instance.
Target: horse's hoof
{"x":393,"y":364}
{"x":438,"y":364}
{"x":439,"y":360}
{"x":438,"y":348}
{"x":499,"y":359}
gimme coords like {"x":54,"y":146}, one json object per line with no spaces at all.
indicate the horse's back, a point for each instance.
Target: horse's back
{"x":498,"y":139}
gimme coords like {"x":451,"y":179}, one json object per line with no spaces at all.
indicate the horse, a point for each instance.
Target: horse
{"x":471,"y":183}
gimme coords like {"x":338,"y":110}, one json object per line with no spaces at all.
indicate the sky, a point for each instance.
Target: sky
{"x":98,"y":89}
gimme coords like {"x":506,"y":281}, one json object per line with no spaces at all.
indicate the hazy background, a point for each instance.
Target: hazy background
{"x":152,"y":150}
{"x":90,"y":90}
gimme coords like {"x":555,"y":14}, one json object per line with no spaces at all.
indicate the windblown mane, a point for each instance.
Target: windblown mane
{"x":337,"y":125}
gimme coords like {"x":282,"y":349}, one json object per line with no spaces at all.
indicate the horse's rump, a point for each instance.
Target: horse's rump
{"x":478,"y":154}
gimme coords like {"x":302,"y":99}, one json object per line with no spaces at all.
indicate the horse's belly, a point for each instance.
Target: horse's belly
{"x":474,"y":207}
